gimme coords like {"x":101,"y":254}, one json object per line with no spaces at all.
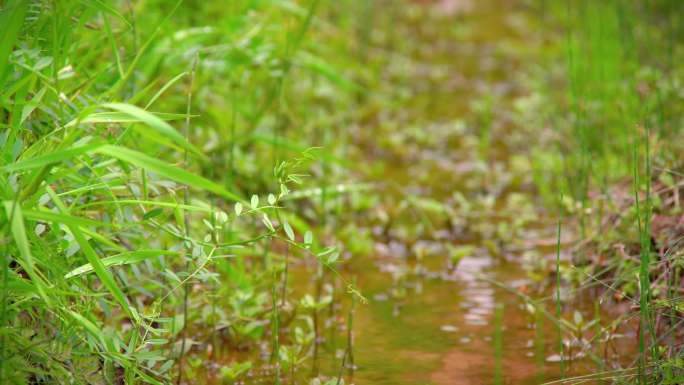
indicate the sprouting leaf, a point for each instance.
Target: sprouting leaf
{"x":577,"y":316}
{"x":333,"y":258}
{"x":308,"y":301}
{"x":283,"y":190}
{"x":288,"y":231}
{"x":236,"y":370}
{"x":308,"y":238}
{"x":267,"y":223}
{"x":221,"y":217}
{"x":271,"y":199}
{"x":39,"y":229}
{"x":238,"y":208}
{"x":254,"y":202}
{"x":326,"y":251}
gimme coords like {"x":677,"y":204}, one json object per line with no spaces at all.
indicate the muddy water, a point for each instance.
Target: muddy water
{"x":443,"y":332}
{"x":428,"y":320}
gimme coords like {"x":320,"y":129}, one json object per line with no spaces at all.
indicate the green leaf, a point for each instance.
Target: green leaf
{"x":267,"y":223}
{"x":11,"y":20}
{"x":53,"y":157}
{"x":125,"y":258}
{"x":104,"y":7}
{"x":238,"y":208}
{"x":91,"y":328}
{"x":164,"y":88}
{"x":143,"y":202}
{"x":14,"y":213}
{"x":326,"y":251}
{"x":49,"y":216}
{"x":162,"y":128}
{"x":308,"y":238}
{"x":333,"y":258}
{"x":102,"y":273}
{"x":92,"y":257}
{"x":254,"y":202}
{"x":162,"y":168}
{"x":120,"y":117}
{"x":288,"y":231}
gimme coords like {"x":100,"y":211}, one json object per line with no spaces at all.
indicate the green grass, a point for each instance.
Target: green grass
{"x":164,"y":165}
{"x":116,"y":191}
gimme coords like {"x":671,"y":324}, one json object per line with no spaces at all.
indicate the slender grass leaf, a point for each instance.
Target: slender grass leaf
{"x":121,"y":117}
{"x":112,"y":42}
{"x":104,"y":7}
{"x":267,"y":223}
{"x":32,"y":105}
{"x":14,"y":213}
{"x":172,"y":172}
{"x":92,"y":257}
{"x":53,"y":157}
{"x":11,"y":20}
{"x":49,"y":216}
{"x":157,"y":124}
{"x":288,"y":231}
{"x":94,"y":331}
{"x":148,"y":203}
{"x":164,"y":88}
{"x":125,"y":258}
{"x":102,"y":273}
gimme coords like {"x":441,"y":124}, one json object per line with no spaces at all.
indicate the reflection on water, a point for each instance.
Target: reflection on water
{"x":428,"y":322}
{"x":478,"y":294}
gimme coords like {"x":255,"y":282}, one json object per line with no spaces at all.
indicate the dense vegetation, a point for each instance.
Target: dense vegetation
{"x":190,"y":189}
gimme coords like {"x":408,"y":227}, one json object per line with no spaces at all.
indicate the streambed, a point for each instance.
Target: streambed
{"x":446,"y":271}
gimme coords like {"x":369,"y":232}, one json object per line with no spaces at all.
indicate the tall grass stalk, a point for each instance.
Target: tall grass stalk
{"x":498,"y":344}
{"x":186,"y":224}
{"x":558,"y":287}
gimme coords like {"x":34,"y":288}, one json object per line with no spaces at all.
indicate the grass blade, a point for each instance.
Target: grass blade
{"x":53,"y":157}
{"x":163,"y":129}
{"x":11,"y":21}
{"x":94,"y":260}
{"x":120,"y":117}
{"x":14,"y":214}
{"x":162,"y":168}
{"x":49,"y":216}
{"x":125,"y":258}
